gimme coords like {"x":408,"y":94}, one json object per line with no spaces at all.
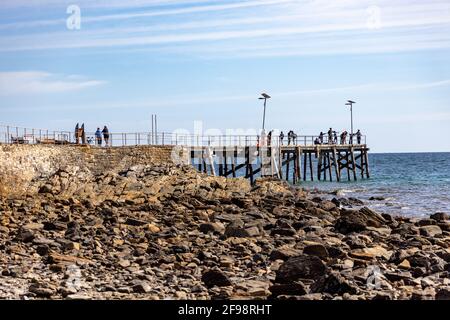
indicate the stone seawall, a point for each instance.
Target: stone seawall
{"x":21,"y":164}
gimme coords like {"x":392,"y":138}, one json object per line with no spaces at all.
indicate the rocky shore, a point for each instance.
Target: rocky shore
{"x":169,"y":232}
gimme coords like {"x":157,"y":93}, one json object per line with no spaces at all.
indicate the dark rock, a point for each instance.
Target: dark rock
{"x":357,"y":221}
{"x":135,"y":222}
{"x":43,"y":249}
{"x":142,"y":287}
{"x":398,"y":276}
{"x":382,"y":296}
{"x":26,"y":236}
{"x":430,"y":231}
{"x":443,"y":294}
{"x":289,"y":289}
{"x":213,"y":278}
{"x":334,"y":283}
{"x":419,"y":260}
{"x":426,"y":222}
{"x":301,"y":267}
{"x":350,"y":202}
{"x":211,"y":227}
{"x":284,"y":253}
{"x":318,"y":250}
{"x":180,"y":249}
{"x":405,"y":229}
{"x":236,"y":229}
{"x":283,"y":231}
{"x":47,"y":188}
{"x":41,"y":291}
{"x":440,"y":216}
{"x":73,"y":231}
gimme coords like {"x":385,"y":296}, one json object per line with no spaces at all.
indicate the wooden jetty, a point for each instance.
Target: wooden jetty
{"x":235,"y":155}
{"x":326,"y":162}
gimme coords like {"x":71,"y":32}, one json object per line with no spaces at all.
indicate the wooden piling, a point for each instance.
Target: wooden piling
{"x":299,"y":163}
{"x":225,"y":162}
{"x":288,"y":160}
{"x":329,"y":166}
{"x":319,"y":166}
{"x":366,"y":160}
{"x":233,"y":164}
{"x":352,"y":152}
{"x":305,"y":161}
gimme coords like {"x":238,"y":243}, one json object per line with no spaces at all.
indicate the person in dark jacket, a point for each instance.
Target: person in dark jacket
{"x":98,"y":137}
{"x":358,"y":136}
{"x":330,"y":136}
{"x":269,"y":138}
{"x":343,"y":137}
{"x":105,"y":132}
{"x":281,"y":137}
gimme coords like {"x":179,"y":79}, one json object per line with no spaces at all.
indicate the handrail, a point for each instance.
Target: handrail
{"x":20,"y":135}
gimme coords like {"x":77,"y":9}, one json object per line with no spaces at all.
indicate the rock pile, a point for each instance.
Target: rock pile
{"x":168,"y":232}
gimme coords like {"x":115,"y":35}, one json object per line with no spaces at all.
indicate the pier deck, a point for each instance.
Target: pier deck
{"x":233,"y":155}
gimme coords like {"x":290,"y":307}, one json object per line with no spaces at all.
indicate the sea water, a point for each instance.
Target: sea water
{"x":410,"y":184}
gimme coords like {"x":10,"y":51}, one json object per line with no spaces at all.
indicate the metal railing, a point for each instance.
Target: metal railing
{"x":20,"y":135}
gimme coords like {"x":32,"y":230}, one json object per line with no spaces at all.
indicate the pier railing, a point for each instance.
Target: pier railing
{"x":21,"y":135}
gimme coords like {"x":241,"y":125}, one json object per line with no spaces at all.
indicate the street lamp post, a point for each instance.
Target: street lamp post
{"x":350,"y":103}
{"x":264,"y":97}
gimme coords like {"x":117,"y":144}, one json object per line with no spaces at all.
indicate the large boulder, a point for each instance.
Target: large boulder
{"x":430,"y":231}
{"x":357,"y":221}
{"x":334,"y":283}
{"x":300,"y":267}
{"x":213,"y":278}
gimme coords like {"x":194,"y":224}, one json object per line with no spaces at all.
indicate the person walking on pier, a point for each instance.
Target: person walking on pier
{"x":269,"y":138}
{"x":330,"y":136}
{"x":281,"y":137}
{"x":98,"y":137}
{"x":321,"y":137}
{"x":335,"y":137}
{"x":105,"y":132}
{"x":358,"y":136}
{"x":343,"y":137}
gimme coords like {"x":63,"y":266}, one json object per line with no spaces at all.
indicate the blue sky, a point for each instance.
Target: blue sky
{"x":209,"y":60}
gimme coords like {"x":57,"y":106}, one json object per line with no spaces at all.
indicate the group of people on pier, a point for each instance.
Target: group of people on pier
{"x":99,"y":134}
{"x":80,"y":134}
{"x":333,"y":137}
{"x":344,"y":138}
{"x":291,"y":135}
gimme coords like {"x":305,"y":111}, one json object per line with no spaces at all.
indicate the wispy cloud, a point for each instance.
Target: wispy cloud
{"x":152,"y":13}
{"x":246,"y":29}
{"x":203,"y":100}
{"x":37,"y":82}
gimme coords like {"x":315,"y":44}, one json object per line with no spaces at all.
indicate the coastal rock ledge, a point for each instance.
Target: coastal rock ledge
{"x":155,"y":230}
